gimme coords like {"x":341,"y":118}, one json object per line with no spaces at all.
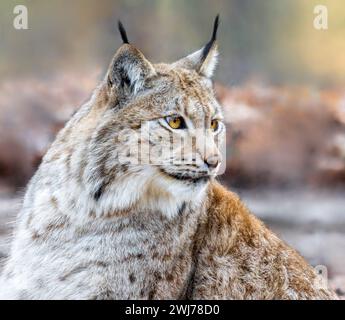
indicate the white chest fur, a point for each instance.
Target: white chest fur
{"x":145,"y":254}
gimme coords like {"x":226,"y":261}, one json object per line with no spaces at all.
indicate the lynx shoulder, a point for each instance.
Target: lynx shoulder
{"x":247,"y":259}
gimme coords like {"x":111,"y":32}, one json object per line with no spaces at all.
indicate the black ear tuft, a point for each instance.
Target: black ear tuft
{"x":123,"y":32}
{"x":208,"y":46}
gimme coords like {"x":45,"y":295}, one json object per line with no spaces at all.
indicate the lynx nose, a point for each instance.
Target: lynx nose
{"x":212,"y":161}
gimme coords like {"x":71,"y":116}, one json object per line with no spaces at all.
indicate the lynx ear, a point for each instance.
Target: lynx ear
{"x":129,"y":68}
{"x":204,"y":60}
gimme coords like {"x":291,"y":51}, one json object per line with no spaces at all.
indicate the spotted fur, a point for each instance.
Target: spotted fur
{"x":97,"y":225}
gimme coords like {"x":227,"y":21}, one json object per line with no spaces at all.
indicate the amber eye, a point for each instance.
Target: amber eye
{"x":214,"y":125}
{"x":175,"y":122}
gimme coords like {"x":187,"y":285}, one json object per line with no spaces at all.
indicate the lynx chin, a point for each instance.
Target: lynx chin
{"x":93,"y":226}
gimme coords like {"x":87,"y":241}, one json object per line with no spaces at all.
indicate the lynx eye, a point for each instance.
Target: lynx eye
{"x":214,"y":125}
{"x":175,"y":122}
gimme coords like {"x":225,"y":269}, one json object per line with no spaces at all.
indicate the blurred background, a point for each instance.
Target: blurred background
{"x":280,"y":80}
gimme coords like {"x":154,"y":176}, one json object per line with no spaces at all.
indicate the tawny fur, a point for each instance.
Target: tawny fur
{"x":237,"y":257}
{"x":95,"y":227}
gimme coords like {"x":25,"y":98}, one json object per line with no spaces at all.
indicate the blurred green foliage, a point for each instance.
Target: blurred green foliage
{"x":267,"y":39}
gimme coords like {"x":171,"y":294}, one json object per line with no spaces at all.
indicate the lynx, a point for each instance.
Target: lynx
{"x":95,"y":224}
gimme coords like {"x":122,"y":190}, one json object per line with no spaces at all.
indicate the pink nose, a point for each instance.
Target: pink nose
{"x":212,"y":161}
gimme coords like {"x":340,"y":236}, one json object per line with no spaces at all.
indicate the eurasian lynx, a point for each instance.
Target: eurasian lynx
{"x":98,"y":224}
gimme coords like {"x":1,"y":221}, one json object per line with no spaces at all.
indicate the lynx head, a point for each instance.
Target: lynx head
{"x":159,"y":133}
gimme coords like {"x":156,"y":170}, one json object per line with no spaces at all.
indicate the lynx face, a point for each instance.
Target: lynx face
{"x":160,"y":128}
{"x":186,"y":136}
{"x":176,"y":127}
